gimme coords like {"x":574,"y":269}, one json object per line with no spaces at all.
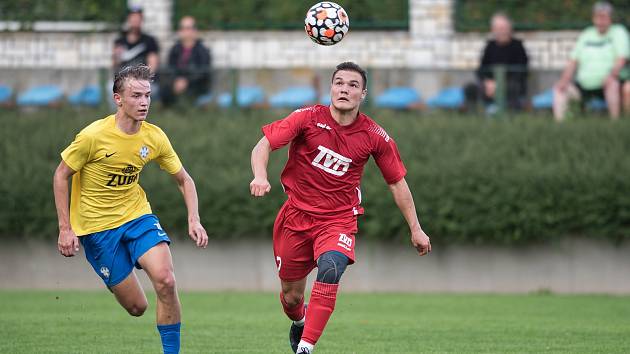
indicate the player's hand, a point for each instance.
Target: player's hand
{"x":198,"y":233}
{"x":420,"y":241}
{"x":259,"y":187}
{"x":68,"y":243}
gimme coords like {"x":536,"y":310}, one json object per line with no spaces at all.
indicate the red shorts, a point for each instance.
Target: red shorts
{"x":300,"y":238}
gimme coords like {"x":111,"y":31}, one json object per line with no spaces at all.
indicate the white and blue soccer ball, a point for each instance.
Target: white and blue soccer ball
{"x":326,"y":23}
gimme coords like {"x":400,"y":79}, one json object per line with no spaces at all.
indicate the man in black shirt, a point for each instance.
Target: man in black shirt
{"x":188,"y":71}
{"x":133,"y":46}
{"x":505,"y":50}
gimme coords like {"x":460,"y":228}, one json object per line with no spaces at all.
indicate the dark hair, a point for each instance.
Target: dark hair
{"x":350,"y":66}
{"x":138,"y":72}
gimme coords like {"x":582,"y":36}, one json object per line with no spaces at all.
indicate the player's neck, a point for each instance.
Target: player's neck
{"x":344,"y":117}
{"x":127,"y":124}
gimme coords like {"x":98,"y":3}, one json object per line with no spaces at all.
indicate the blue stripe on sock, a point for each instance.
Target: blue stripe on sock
{"x":170,"y":337}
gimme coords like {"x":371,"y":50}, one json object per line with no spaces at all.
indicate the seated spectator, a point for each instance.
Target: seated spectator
{"x":188,"y":71}
{"x":624,"y":76}
{"x":503,"y":49}
{"x":134,"y":46}
{"x":598,"y":57}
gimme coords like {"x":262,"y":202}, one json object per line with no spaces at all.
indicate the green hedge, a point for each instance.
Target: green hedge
{"x":26,"y":11}
{"x":474,"y":180}
{"x":283,"y":14}
{"x":474,"y":15}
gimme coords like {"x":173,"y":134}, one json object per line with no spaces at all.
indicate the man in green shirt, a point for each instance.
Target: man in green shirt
{"x":598,"y":57}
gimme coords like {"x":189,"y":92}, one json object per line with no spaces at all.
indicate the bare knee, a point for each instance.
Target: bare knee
{"x":164,"y":283}
{"x":137,"y":309}
{"x":292,"y":297}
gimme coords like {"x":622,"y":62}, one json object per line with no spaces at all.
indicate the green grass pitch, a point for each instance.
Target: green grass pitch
{"x":92,"y":322}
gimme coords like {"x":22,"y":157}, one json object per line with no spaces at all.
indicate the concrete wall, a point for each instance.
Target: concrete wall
{"x":572,"y":266}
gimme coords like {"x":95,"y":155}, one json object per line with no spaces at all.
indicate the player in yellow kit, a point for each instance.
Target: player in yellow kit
{"x":108,"y":212}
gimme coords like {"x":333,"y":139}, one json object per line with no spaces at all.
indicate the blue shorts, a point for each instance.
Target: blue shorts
{"x":113,"y":253}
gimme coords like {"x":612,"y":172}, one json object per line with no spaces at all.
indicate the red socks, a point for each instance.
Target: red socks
{"x":320,"y":307}
{"x":295,"y":313}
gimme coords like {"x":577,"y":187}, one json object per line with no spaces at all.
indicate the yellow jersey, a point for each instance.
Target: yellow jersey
{"x":105,"y":188}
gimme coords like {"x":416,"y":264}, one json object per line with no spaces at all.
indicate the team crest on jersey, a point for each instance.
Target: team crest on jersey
{"x":331,"y":162}
{"x":105,"y":272}
{"x":144,"y":152}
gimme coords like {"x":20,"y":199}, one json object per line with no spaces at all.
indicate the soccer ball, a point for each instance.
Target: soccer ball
{"x":326,"y":23}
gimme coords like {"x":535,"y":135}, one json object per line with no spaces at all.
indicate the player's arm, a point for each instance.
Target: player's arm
{"x":67,"y":243}
{"x":404,"y":201}
{"x":187,"y":187}
{"x":260,"y":157}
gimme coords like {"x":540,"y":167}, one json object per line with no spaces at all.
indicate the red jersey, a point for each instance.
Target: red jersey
{"x":323,"y":173}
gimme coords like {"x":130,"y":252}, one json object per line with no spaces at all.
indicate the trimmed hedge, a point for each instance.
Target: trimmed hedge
{"x":474,"y":15}
{"x":474,"y":180}
{"x":283,"y":14}
{"x":26,"y":11}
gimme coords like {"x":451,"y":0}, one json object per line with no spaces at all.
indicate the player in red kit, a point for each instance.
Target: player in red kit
{"x":316,"y":226}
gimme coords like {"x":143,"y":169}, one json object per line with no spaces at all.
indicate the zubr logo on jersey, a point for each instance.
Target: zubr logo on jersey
{"x":128,"y":176}
{"x":331,"y":161}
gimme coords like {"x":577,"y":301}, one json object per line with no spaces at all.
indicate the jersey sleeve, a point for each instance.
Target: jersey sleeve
{"x":167,"y":157}
{"x":283,"y":131}
{"x":79,"y":152}
{"x":388,"y":160}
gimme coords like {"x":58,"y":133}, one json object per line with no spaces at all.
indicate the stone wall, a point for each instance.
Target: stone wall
{"x":570,"y":266}
{"x":430,"y":54}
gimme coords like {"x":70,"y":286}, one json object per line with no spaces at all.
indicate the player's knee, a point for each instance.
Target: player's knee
{"x":165,"y":283}
{"x":330,"y":267}
{"x":292,"y":298}
{"x":137,"y":309}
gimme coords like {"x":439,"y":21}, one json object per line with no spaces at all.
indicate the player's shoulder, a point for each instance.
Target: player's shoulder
{"x":373,"y":129}
{"x":152,"y":130}
{"x":97,"y":127}
{"x":310,"y":110}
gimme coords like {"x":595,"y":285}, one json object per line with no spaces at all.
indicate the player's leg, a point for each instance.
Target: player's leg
{"x":293,"y":252}
{"x":330,"y":267}
{"x":613,"y":99}
{"x":148,"y":246}
{"x":130,"y":295}
{"x":158,"y":265}
{"x":334,"y":249}
{"x":112,"y":262}
{"x":292,"y":299}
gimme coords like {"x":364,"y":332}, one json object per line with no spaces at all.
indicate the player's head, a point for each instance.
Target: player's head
{"x":348,"y":89}
{"x":187,"y":29}
{"x":134,"y":19}
{"x":501,"y":27}
{"x":602,"y":16}
{"x":132,"y":91}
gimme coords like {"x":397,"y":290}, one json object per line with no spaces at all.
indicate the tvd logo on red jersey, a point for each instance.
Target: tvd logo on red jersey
{"x":331,"y":161}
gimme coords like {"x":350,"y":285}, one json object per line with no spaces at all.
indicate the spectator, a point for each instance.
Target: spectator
{"x":188,"y":71}
{"x":598,"y":57}
{"x":134,"y":46}
{"x":624,"y":76}
{"x":503,"y":49}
